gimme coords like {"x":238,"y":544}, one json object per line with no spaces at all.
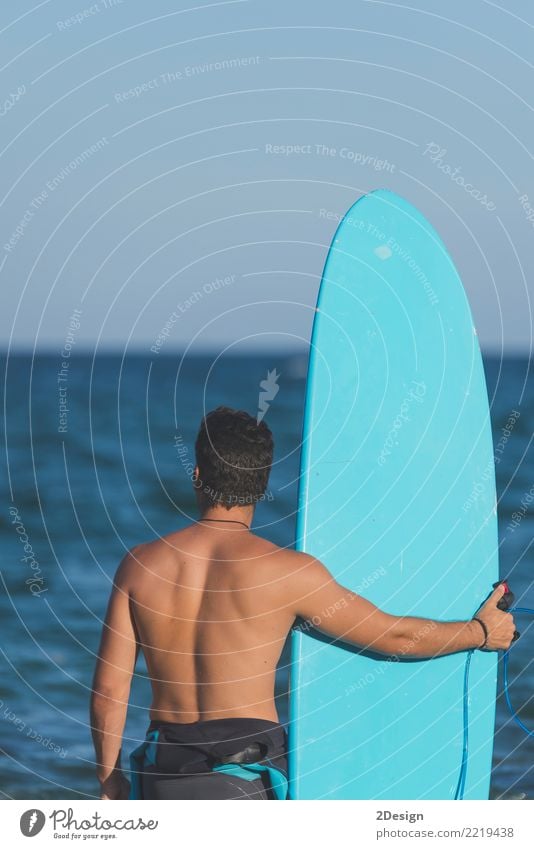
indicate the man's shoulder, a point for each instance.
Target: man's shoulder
{"x":292,"y":563}
{"x":139,"y":556}
{"x":167,"y":543}
{"x":290,"y":576}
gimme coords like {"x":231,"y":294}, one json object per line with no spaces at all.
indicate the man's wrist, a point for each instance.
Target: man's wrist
{"x":107,"y":775}
{"x":480,"y":635}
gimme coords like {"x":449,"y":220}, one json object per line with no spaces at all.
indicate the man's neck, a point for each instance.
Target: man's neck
{"x":236,"y":517}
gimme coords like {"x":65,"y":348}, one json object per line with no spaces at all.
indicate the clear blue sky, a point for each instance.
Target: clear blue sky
{"x":144,"y":152}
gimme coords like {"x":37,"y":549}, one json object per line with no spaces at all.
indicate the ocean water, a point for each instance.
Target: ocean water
{"x":94,"y":470}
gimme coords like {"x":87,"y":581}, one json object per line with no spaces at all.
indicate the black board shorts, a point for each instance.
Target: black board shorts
{"x":186,"y":752}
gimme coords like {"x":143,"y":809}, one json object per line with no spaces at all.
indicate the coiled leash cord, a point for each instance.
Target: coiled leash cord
{"x":514,"y":715}
{"x":504,"y":604}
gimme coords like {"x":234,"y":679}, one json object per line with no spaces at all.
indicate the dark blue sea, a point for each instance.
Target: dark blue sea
{"x":93,"y":470}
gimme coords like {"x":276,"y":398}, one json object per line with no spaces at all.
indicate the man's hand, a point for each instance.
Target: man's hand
{"x":500,"y":625}
{"x":116,"y":786}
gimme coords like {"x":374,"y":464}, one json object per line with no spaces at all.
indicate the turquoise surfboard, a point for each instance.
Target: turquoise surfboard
{"x":397,"y":498}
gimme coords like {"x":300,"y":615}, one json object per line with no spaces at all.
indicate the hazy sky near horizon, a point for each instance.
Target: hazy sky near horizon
{"x":190,"y":159}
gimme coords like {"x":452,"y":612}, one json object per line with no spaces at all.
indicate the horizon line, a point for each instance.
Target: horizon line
{"x":303,"y":348}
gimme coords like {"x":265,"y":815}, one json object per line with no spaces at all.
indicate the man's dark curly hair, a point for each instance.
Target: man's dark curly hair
{"x":234,"y":455}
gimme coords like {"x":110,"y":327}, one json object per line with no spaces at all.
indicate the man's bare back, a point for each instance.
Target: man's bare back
{"x":210,"y":608}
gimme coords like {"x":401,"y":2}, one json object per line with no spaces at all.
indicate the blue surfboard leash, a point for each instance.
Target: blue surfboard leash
{"x":460,"y":788}
{"x":513,"y":713}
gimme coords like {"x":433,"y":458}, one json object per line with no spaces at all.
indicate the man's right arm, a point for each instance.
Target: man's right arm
{"x":337,"y":612}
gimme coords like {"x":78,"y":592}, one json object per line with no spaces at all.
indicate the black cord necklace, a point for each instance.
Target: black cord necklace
{"x":233,"y":522}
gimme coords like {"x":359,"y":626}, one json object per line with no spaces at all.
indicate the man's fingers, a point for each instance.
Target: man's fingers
{"x":497,"y":593}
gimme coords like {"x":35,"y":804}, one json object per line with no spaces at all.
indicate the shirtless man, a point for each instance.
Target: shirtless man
{"x":210,"y":607}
